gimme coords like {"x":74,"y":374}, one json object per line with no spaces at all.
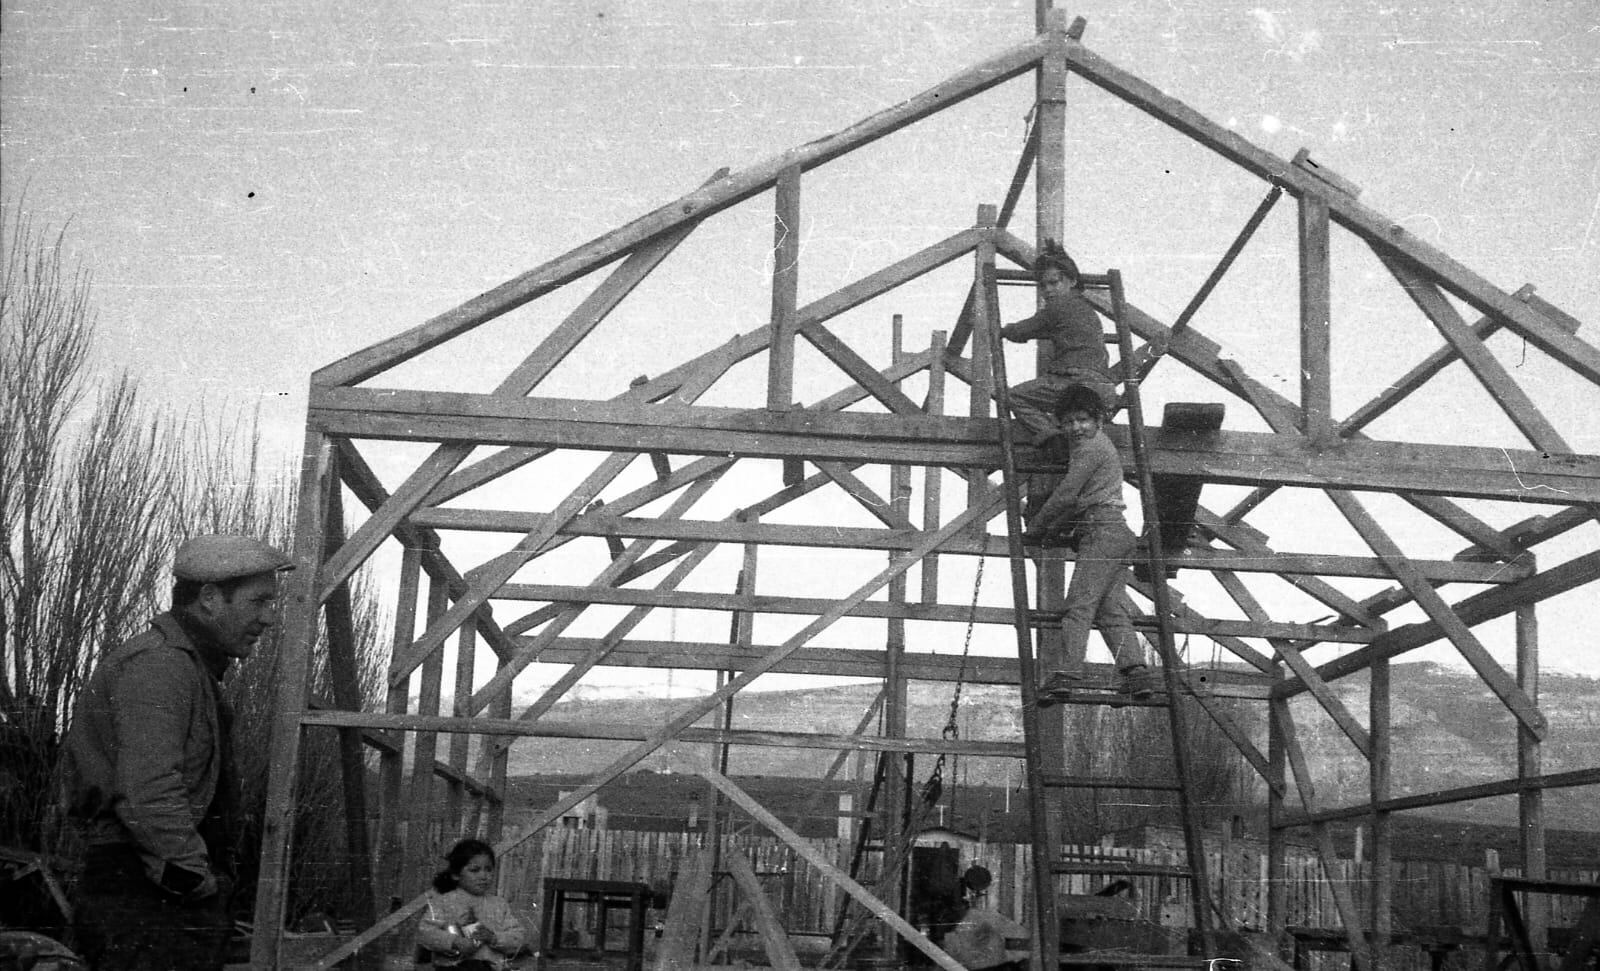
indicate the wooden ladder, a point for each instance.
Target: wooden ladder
{"x":1048,"y":863}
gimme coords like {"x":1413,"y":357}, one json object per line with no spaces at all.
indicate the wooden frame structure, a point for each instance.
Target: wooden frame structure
{"x":661,"y":455}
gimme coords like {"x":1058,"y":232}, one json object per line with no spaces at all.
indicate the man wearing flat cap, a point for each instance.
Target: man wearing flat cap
{"x":148,"y":771}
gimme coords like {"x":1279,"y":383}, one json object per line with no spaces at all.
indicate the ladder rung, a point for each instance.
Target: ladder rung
{"x":1116,"y":868}
{"x":1089,"y":696}
{"x":1060,"y":781}
{"x":1124,"y":959}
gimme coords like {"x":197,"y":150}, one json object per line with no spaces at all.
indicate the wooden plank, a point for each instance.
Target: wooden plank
{"x":1343,"y":901}
{"x":848,"y":663}
{"x":1376,"y":229}
{"x":422,"y":808}
{"x":1178,"y":496}
{"x":785,"y":288}
{"x":696,"y":206}
{"x":1477,"y":609}
{"x":511,"y":728}
{"x":391,"y":764}
{"x":859,"y":370}
{"x":488,"y":578}
{"x":1316,"y":300}
{"x":932,"y":475}
{"x":363,"y":482}
{"x":1326,"y":593}
{"x":594,"y":308}
{"x":865,"y":496}
{"x":878,"y":908}
{"x":1444,"y":797}
{"x":537,"y":646}
{"x":605,"y":523}
{"x":346,"y":684}
{"x":1504,"y":687}
{"x":1403,"y":387}
{"x":780,"y":953}
{"x":1242,"y":458}
{"x":682,"y":925}
{"x":527,"y":653}
{"x":301,"y":613}
{"x":1484,"y":366}
{"x":1296,"y":661}
{"x":953,"y":613}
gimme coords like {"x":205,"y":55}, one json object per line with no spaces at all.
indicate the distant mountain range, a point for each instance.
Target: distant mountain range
{"x":1449,"y":731}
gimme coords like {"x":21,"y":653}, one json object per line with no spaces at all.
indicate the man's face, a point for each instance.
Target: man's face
{"x":237,"y":622}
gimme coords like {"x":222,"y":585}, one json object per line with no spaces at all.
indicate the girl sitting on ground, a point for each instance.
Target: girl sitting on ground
{"x":466,"y":926}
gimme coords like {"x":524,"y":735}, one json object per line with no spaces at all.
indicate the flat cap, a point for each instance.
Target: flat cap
{"x":214,"y":558}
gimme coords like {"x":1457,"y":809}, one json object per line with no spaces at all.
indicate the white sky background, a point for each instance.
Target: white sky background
{"x":260,"y":189}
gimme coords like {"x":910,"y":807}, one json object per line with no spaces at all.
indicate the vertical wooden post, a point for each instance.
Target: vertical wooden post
{"x":785,"y":297}
{"x":496,"y":757}
{"x":985,"y":318}
{"x":895,"y":648}
{"x":1379,"y":732}
{"x":933,"y":475}
{"x":1050,"y":193}
{"x":1277,"y":789}
{"x":1316,"y":388}
{"x":300,"y":614}
{"x":461,"y":694}
{"x":1530,"y":802}
{"x":421,"y":847}
{"x":347,"y":695}
{"x":391,"y":765}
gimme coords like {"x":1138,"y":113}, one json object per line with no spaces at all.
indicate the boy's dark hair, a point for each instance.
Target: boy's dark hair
{"x":186,"y":592}
{"x":1084,"y":399}
{"x":457,"y":859}
{"x":1052,"y":254}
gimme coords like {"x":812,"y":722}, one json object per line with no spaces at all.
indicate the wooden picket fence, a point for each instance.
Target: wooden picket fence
{"x":1425,"y":894}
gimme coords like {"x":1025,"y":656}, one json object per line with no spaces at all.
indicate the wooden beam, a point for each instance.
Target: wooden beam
{"x":1477,"y":609}
{"x":512,"y":728}
{"x":932,"y":475}
{"x":1316,"y":300}
{"x":780,"y":953}
{"x":1376,"y":229}
{"x":301,"y":614}
{"x":878,"y":908}
{"x":1445,"y":797}
{"x":859,"y":370}
{"x":1297,"y":663}
{"x":1404,"y":386}
{"x":850,"y":662}
{"x":502,"y":679}
{"x":1483,"y":365}
{"x":343,"y":672}
{"x":954,"y":613}
{"x":696,"y":206}
{"x":1241,"y":458}
{"x":785,"y":289}
{"x":1459,"y":633}
{"x":1202,"y":355}
{"x":605,"y":523}
{"x":488,"y":578}
{"x":1343,"y":900}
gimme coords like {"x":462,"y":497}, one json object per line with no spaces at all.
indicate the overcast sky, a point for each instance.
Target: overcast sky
{"x":261,"y":188}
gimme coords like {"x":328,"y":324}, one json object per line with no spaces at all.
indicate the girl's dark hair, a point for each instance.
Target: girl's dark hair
{"x":1052,"y":254}
{"x":457,"y":859}
{"x":1084,"y":399}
